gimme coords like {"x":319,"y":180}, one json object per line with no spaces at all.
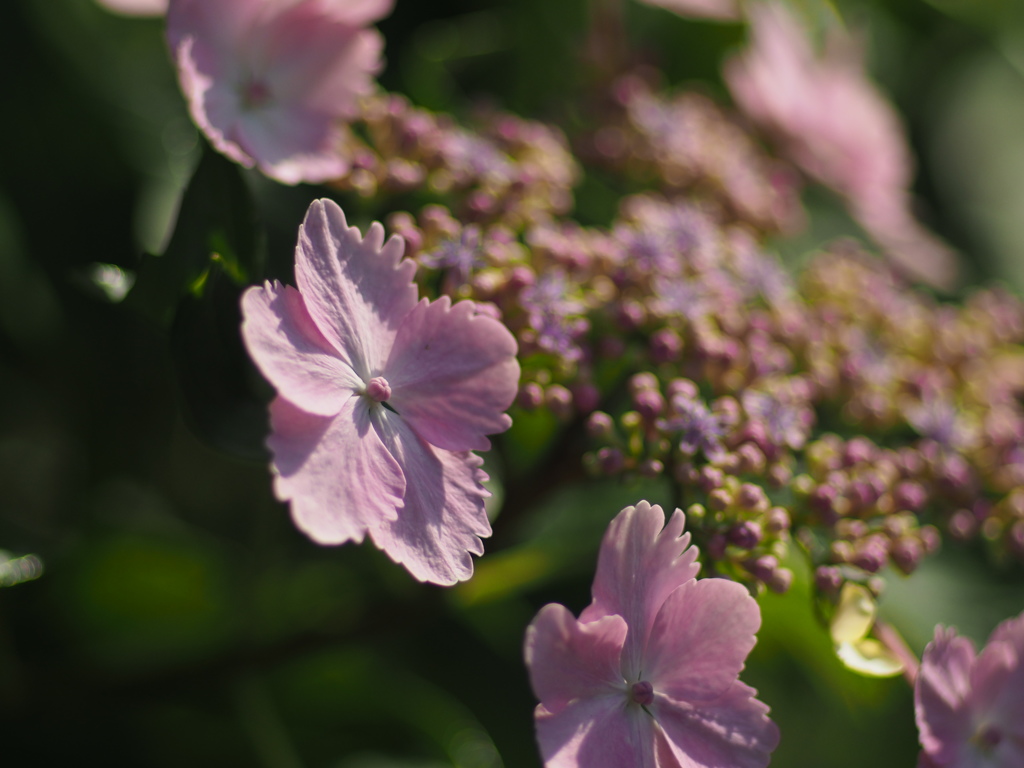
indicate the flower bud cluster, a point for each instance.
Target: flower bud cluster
{"x":509,"y":170}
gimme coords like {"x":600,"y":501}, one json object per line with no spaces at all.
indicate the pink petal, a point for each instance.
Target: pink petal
{"x":711,"y":9}
{"x":700,"y":639}
{"x":442,"y":517}
{"x":941,"y":693}
{"x":356,"y":290}
{"x":211,"y":103}
{"x":136,"y":7}
{"x":598,"y":732}
{"x":568,"y":660}
{"x":453,"y":373}
{"x":357,"y":13}
{"x":292,"y":353}
{"x":641,"y":561}
{"x":733,"y":730}
{"x":1007,"y":705}
{"x":311,"y":60}
{"x":337,"y":474}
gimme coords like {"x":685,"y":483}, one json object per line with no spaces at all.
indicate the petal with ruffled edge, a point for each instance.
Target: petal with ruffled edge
{"x":357,"y":290}
{"x":700,"y":639}
{"x":642,"y":560}
{"x":442,"y":517}
{"x":597,"y":732}
{"x":940,"y":694}
{"x":292,"y":353}
{"x":732,"y":730}
{"x":453,"y":373}
{"x":568,"y":660}
{"x":335,"y":471}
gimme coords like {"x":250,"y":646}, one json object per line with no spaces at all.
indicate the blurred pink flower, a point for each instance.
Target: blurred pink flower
{"x":647,"y":676}
{"x":380,"y":398}
{"x":838,"y":127}
{"x":970,"y":708}
{"x":271,"y":82}
{"x":726,"y":10}
{"x":136,"y":7}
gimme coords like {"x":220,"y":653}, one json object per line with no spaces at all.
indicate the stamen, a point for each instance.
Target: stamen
{"x":642,"y":693}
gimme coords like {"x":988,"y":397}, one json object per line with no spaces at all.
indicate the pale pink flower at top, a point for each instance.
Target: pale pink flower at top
{"x":272,"y":82}
{"x":970,"y":707}
{"x":136,"y":7}
{"x":833,"y":122}
{"x":725,"y":10}
{"x":647,"y":677}
{"x":380,"y":398}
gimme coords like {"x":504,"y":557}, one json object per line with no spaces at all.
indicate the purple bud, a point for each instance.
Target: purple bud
{"x":906,"y":554}
{"x":531,"y":395}
{"x":909,"y":495}
{"x":828,"y":579}
{"x":930,"y":539}
{"x":870,"y":555}
{"x":710,"y":478}
{"x":683,"y":388}
{"x":781,"y":581}
{"x":666,"y":346}
{"x":630,"y":315}
{"x":610,"y":460}
{"x":857,"y":450}
{"x":642,"y":382}
{"x":752,"y":460}
{"x":600,"y":426}
{"x":763,"y":567}
{"x":719,"y":500}
{"x":745,"y":535}
{"x":559,"y":401}
{"x":752,"y":497}
{"x":649,"y":403}
{"x":777,"y":520}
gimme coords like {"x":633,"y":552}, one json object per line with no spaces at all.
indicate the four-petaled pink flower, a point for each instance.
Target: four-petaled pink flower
{"x":380,"y":398}
{"x":970,"y":708}
{"x":648,"y":675}
{"x":271,"y":82}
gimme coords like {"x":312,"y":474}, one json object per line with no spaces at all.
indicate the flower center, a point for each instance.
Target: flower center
{"x":255,"y":93}
{"x":987,"y":738}
{"x":378,"y":389}
{"x":642,"y":693}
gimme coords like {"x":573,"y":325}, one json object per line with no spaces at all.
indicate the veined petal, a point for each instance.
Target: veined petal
{"x":596,"y":732}
{"x":732,"y":730}
{"x":941,"y":692}
{"x":442,"y":516}
{"x":569,"y":660}
{"x":336,"y":473}
{"x":356,"y":290}
{"x":453,"y":373}
{"x":642,"y":560}
{"x":700,"y":639}
{"x":292,"y":353}
{"x":291,"y":143}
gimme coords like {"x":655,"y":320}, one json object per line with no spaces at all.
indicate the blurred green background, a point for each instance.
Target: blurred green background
{"x":180,"y":618}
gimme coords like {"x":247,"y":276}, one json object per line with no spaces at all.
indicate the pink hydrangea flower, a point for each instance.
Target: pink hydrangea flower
{"x":833,"y":122}
{"x":725,"y":10}
{"x":272,"y":82}
{"x":380,"y":398}
{"x":970,"y":708}
{"x":648,"y":674}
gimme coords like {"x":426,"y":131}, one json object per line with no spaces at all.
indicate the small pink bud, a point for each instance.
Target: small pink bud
{"x":378,"y":389}
{"x":642,"y":693}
